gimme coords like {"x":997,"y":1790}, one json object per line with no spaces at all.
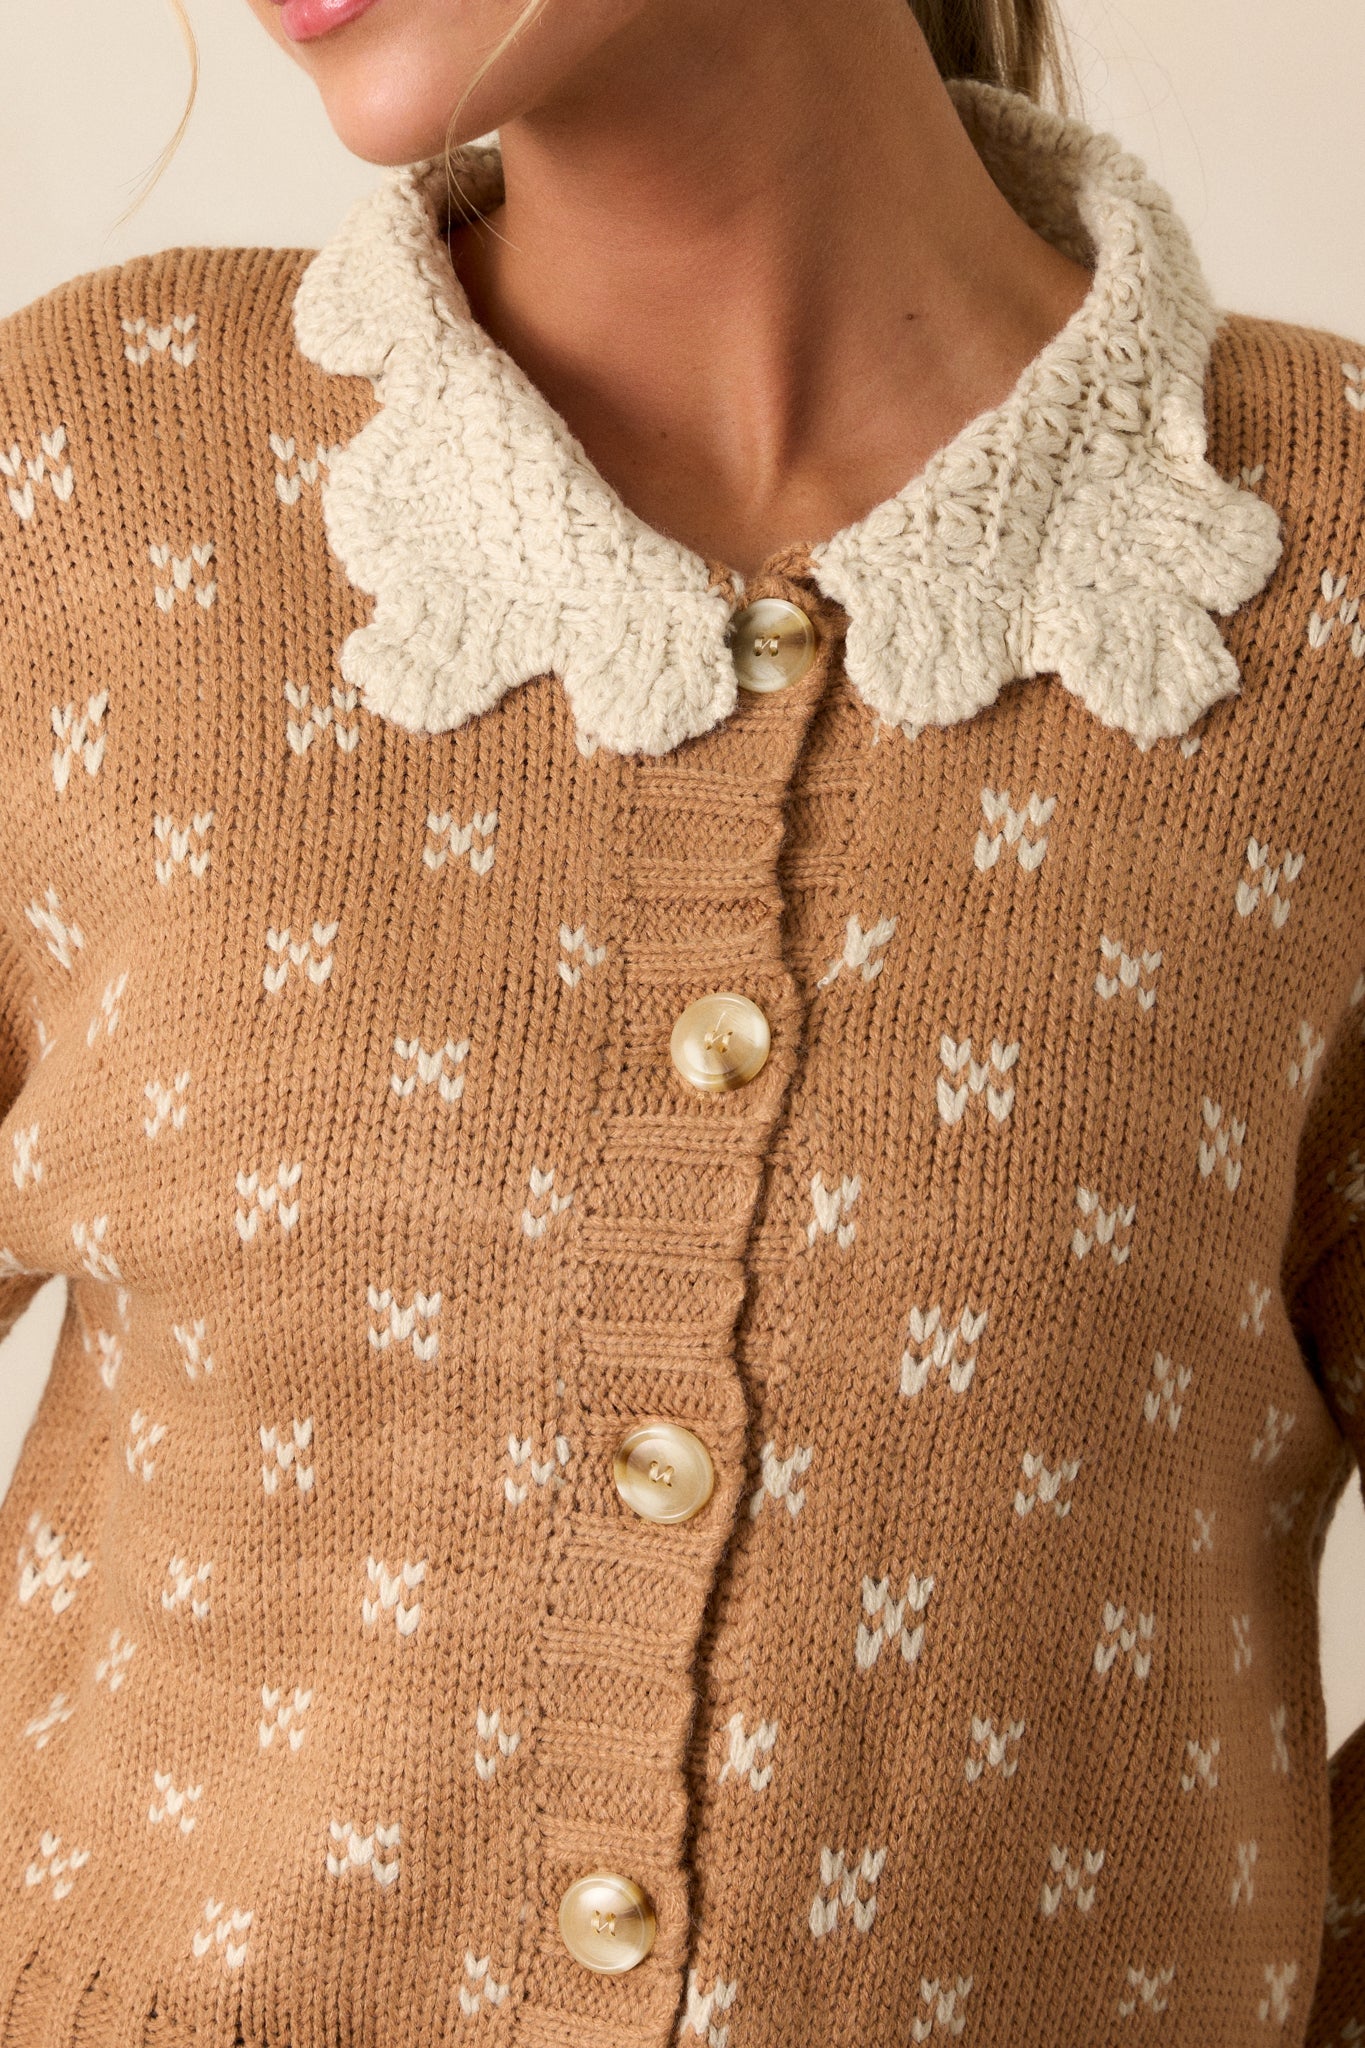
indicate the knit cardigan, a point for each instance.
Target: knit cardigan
{"x":377,"y":794}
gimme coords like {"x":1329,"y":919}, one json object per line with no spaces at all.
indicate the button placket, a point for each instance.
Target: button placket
{"x":661,"y":1283}
{"x":843,"y":799}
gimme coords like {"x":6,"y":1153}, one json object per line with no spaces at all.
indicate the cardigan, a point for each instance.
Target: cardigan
{"x":382,"y":798}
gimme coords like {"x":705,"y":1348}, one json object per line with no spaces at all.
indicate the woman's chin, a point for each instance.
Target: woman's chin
{"x":392,"y":73}
{"x":385,"y":114}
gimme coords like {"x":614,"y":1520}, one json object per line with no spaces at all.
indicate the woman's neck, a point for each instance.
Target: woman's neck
{"x":759,"y":268}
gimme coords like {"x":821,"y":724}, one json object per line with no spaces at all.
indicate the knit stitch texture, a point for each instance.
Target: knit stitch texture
{"x":1019,"y":1299}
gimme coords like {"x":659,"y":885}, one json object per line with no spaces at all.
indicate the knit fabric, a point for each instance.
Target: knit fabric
{"x":1019,"y":1299}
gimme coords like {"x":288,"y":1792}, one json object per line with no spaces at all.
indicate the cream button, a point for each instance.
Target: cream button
{"x":607,"y":1923}
{"x":720,"y":1041}
{"x":772,"y":643}
{"x":663,"y":1472}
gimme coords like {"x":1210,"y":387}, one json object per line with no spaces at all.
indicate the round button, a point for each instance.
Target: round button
{"x":720,"y":1041}
{"x":663,"y":1472}
{"x":772,"y":644}
{"x":607,"y":1922}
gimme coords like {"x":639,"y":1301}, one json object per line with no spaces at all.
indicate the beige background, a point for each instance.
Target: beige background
{"x":1249,"y":115}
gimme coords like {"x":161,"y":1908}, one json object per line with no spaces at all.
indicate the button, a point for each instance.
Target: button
{"x":607,"y":1922}
{"x":772,"y":644}
{"x":720,"y":1041}
{"x":663,"y":1472}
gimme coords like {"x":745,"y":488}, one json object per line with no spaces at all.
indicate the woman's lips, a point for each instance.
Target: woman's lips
{"x":301,"y":20}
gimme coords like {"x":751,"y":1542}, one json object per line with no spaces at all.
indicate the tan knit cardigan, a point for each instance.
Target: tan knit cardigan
{"x":377,"y":794}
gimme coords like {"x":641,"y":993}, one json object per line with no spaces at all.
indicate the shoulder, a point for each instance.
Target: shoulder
{"x":181,"y":352}
{"x":79,"y":341}
{"x":105,"y":374}
{"x":1286,"y":405}
{"x":156,"y":417}
{"x":114,"y":388}
{"x":147,"y":395}
{"x":114,"y":371}
{"x":1315,"y":365}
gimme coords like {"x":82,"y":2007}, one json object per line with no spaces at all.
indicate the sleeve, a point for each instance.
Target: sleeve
{"x":1327,"y":1309}
{"x":20,"y":1032}
{"x":18,"y":1285}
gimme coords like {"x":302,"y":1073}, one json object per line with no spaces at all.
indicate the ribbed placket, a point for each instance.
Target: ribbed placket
{"x":662,"y":1239}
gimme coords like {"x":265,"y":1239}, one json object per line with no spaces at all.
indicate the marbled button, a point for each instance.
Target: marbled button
{"x":720,"y":1041}
{"x":606,"y":1922}
{"x":772,"y":644}
{"x":663,"y":1472}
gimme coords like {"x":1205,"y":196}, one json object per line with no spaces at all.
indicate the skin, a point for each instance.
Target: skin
{"x":748,"y":252}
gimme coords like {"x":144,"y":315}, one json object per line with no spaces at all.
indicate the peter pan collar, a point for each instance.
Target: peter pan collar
{"x":1075,"y":530}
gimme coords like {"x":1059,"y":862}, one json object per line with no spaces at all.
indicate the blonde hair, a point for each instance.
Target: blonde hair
{"x":177,"y":8}
{"x":504,"y":43}
{"x":1017,"y":43}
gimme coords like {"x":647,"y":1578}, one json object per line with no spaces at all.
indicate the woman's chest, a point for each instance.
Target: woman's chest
{"x":412,"y":998}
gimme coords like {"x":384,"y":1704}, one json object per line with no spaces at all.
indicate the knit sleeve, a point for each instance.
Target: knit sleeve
{"x":20,"y":1031}
{"x":1327,"y":1307}
{"x":18,"y":1285}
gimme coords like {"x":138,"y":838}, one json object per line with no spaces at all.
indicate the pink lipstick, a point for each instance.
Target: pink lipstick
{"x":302,"y":20}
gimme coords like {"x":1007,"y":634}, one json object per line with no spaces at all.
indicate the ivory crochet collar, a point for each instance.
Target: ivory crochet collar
{"x":1075,"y":530}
